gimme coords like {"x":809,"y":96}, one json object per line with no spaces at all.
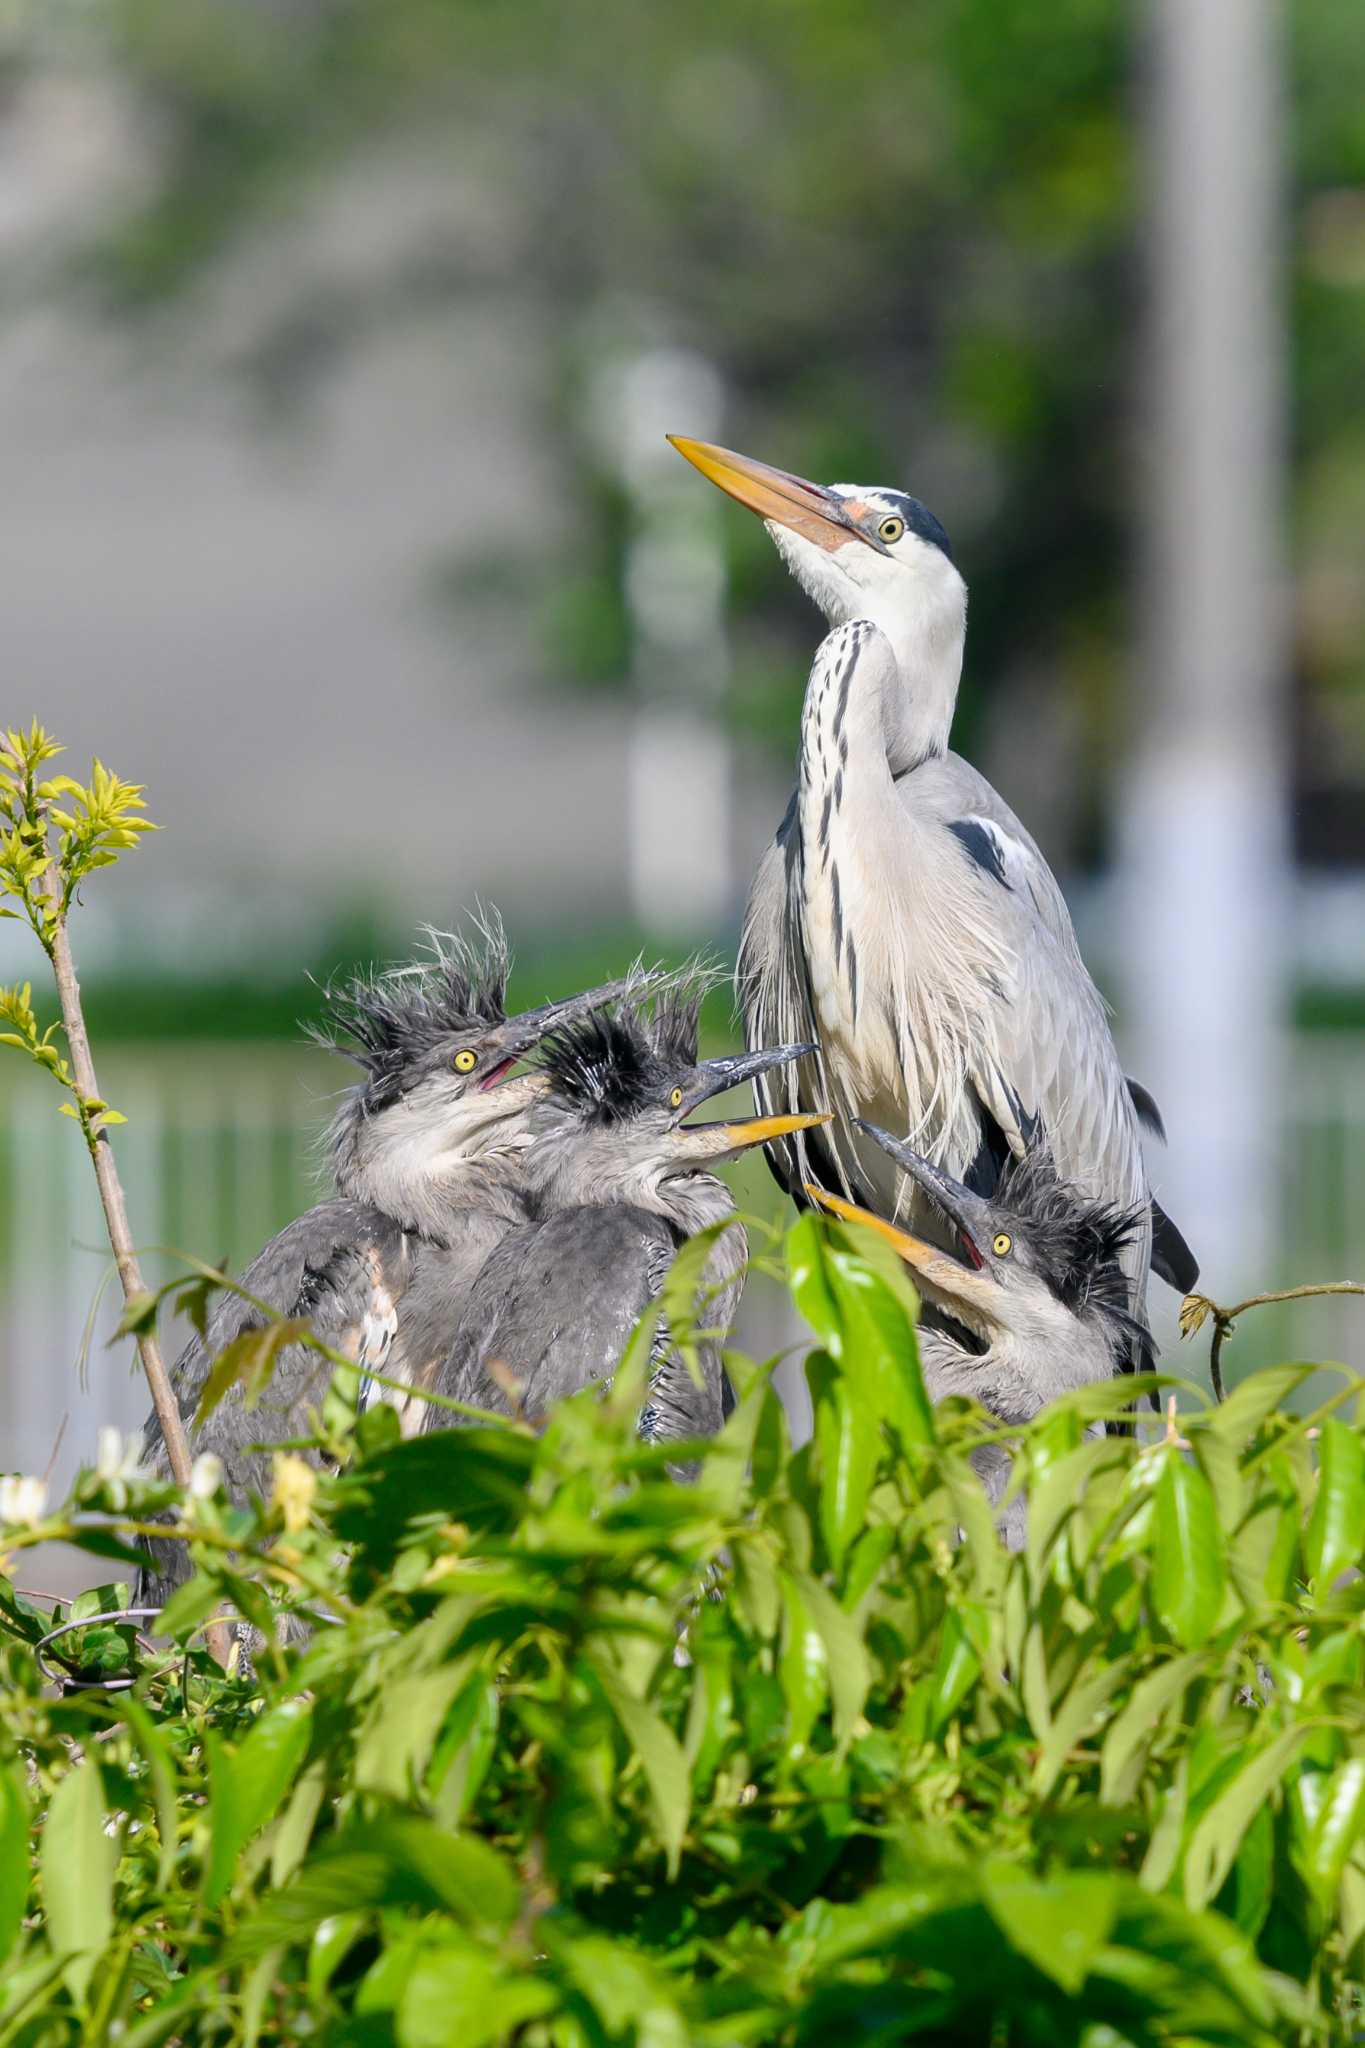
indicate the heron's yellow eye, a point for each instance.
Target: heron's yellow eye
{"x":465,"y":1061}
{"x":1001,"y":1244}
{"x":676,"y":1098}
{"x":891,"y":529}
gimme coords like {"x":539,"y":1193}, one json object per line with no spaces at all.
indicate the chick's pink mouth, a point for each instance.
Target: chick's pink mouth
{"x":496,"y":1074}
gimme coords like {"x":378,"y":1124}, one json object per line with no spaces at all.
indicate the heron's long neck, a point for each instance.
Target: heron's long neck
{"x":928,"y":643}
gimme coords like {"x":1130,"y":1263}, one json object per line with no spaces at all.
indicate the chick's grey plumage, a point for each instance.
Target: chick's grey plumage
{"x":426,"y":1156}
{"x":618,"y":1181}
{"x":904,"y":917}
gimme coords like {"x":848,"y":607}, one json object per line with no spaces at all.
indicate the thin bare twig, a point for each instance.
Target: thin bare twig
{"x":111,"y":1195}
{"x":1198,"y":1308}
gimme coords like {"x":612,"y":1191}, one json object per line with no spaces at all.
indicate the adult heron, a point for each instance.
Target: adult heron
{"x":903,"y":916}
{"x":618,"y":1178}
{"x":426,"y":1156}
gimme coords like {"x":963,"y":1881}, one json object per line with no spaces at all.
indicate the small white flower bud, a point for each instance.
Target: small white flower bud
{"x":206,"y":1475}
{"x":22,"y":1498}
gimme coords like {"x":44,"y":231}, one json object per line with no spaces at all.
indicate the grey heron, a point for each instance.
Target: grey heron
{"x":903,"y":917}
{"x":618,"y":1179}
{"x":426,"y":1155}
{"x":1025,"y":1295}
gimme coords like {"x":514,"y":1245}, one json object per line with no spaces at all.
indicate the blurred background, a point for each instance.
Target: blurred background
{"x":338,"y":340}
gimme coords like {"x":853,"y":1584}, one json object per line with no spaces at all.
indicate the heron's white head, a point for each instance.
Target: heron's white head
{"x":861,"y":552}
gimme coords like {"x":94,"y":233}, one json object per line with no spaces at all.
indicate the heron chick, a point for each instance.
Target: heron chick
{"x":1024,"y":1294}
{"x":619,"y":1178}
{"x":426,"y":1156}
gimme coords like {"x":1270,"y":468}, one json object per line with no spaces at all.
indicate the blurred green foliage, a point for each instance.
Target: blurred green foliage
{"x":584,"y":1757}
{"x":908,"y":237}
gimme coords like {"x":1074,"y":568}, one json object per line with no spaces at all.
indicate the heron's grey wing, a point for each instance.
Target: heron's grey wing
{"x":1046,"y":1063}
{"x":1005,"y":846}
{"x":343,"y":1266}
{"x":772,"y":986}
{"x":555,"y":1308}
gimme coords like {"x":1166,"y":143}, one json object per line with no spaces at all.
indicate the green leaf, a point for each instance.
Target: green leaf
{"x":660,"y":1753}
{"x":802,"y":1667}
{"x":14,"y":1855}
{"x":466,"y":1994}
{"x":295,"y":1831}
{"x":1059,"y":1923}
{"x":250,"y":1357}
{"x":248,"y":1784}
{"x":849,"y":1443}
{"x":1188,"y":1576}
{"x":1218,"y":1835}
{"x":1252,"y":1400}
{"x":1141,"y":1719}
{"x":848,"y":1669}
{"x":161,"y":1771}
{"x":77,"y":1859}
{"x":1093,"y":1686}
{"x":1335,"y":1535}
{"x":1337,"y":1827}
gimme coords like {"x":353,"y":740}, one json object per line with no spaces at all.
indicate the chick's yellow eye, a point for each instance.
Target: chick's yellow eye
{"x":465,"y":1061}
{"x":675,"y":1098}
{"x":891,"y":530}
{"x":1001,"y":1244}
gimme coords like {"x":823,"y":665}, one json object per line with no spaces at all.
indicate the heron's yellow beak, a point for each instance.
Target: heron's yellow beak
{"x":722,"y":1141}
{"x":816,"y":514}
{"x":946,"y":1279}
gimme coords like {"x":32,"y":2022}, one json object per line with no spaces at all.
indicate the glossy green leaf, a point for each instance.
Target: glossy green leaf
{"x":470,"y":1995}
{"x":849,"y":1441}
{"x":1188,"y":1576}
{"x":1153,"y":1696}
{"x":802,"y":1666}
{"x":1335,"y":1537}
{"x":847,"y":1666}
{"x":1338,"y":1825}
{"x":248,"y":1784}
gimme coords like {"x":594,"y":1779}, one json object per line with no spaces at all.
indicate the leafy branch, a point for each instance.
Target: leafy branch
{"x":54,"y":834}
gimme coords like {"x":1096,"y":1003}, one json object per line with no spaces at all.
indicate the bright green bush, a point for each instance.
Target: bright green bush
{"x":795,"y":1754}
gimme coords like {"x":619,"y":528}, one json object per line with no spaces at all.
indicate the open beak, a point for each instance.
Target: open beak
{"x":516,"y":1036}
{"x":809,"y":509}
{"x":944,"y":1279}
{"x":698,"y":1143}
{"x":973,"y":1221}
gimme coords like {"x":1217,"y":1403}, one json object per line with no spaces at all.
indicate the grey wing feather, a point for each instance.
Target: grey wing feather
{"x":556,"y":1305}
{"x":344,"y":1267}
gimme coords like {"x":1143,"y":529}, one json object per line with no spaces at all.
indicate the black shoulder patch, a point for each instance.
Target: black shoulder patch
{"x":980,"y":844}
{"x":1149,"y":1116}
{"x":1172,"y":1258}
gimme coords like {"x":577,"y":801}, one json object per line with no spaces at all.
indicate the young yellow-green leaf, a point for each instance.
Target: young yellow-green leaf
{"x":14,"y":1854}
{"x":466,"y":1993}
{"x":250,"y":1357}
{"x":1188,"y":1575}
{"x":1095,"y":1684}
{"x":1335,"y":1535}
{"x":78,"y":1859}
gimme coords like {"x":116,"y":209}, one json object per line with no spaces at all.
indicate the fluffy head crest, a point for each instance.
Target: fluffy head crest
{"x":390,"y":1022}
{"x":1077,"y":1245}
{"x":616,"y":1062}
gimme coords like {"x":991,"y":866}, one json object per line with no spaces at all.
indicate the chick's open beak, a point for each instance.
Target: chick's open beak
{"x":809,"y":509}
{"x":700,"y":1142}
{"x":945,"y":1279}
